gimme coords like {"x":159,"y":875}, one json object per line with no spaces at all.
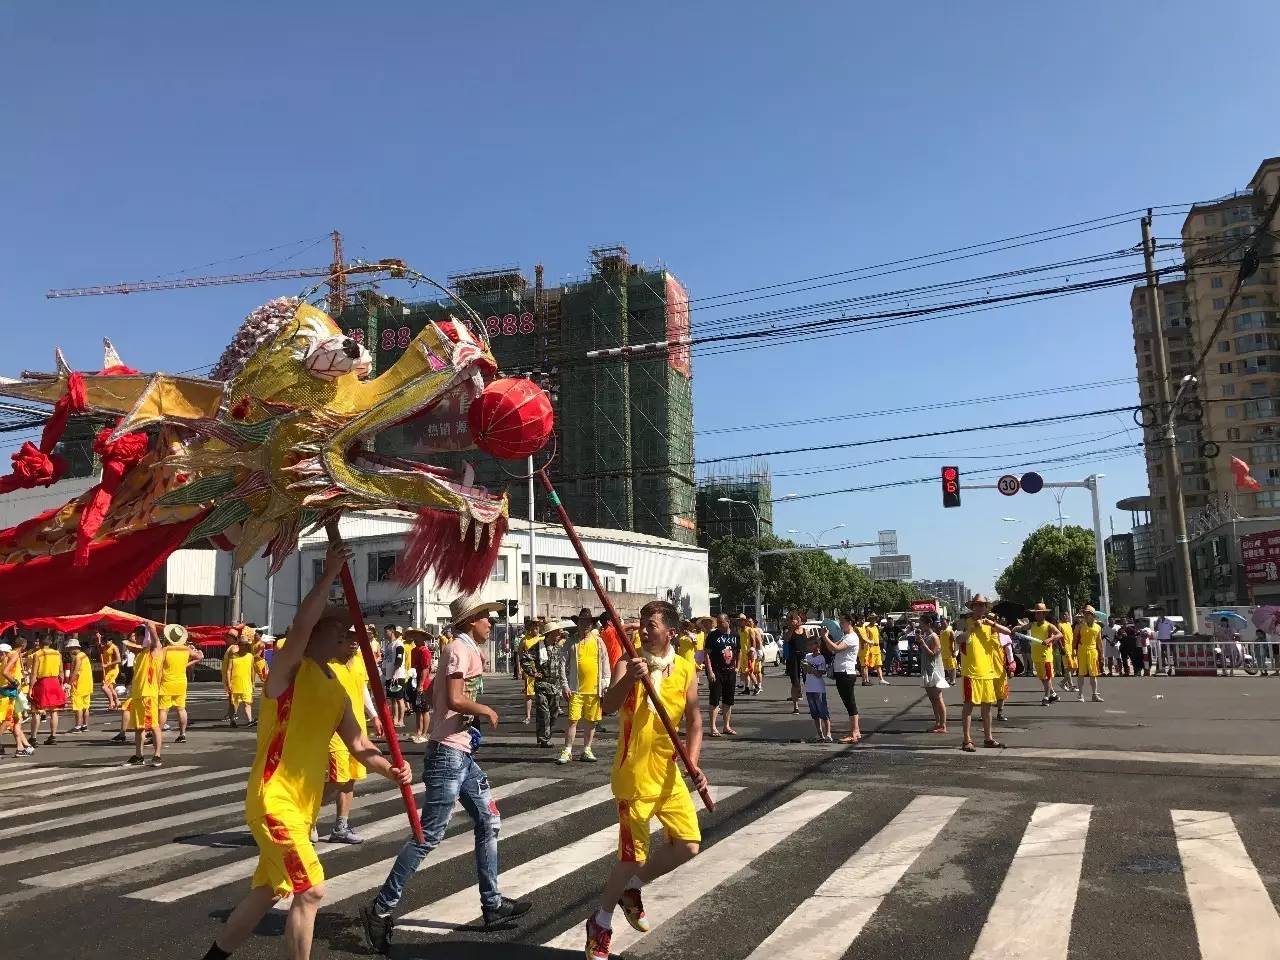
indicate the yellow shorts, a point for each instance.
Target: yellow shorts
{"x":168,"y":700}
{"x":1089,"y":662}
{"x":80,"y":701}
{"x":144,"y":712}
{"x":675,"y":812}
{"x":1044,"y":669}
{"x":528,"y":686}
{"x":343,"y":766}
{"x":242,"y":699}
{"x":1068,"y":660}
{"x":979,"y":691}
{"x":948,"y":663}
{"x":873,"y":658}
{"x":287,"y":862}
{"x":6,"y":711}
{"x":584,"y":706}
{"x":109,"y":677}
{"x":1002,"y":688}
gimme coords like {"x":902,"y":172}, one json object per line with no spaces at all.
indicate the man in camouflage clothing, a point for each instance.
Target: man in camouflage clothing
{"x":544,"y":662}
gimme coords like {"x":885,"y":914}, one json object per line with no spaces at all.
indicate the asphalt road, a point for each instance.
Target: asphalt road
{"x":1146,"y":823}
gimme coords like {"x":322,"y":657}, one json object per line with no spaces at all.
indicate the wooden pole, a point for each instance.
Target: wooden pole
{"x":627,"y":646}
{"x":375,"y":684}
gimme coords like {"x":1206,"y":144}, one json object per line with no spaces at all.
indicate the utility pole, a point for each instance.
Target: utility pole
{"x":1169,"y":442}
{"x":533,"y":550}
{"x":237,"y":594}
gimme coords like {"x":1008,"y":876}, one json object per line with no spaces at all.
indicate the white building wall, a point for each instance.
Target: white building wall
{"x":22,"y":505}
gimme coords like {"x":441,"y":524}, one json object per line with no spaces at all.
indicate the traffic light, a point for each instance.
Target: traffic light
{"x":951,"y":486}
{"x":513,"y":607}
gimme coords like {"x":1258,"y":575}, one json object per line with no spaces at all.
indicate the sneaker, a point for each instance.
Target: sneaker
{"x":565,"y":756}
{"x":544,"y":743}
{"x":136,"y":760}
{"x":1044,"y":701}
{"x":234,"y":723}
{"x":165,"y":727}
{"x":27,"y":751}
{"x":344,"y":836}
{"x":181,"y":738}
{"x":315,"y":834}
{"x":633,"y":909}
{"x":1097,"y":699}
{"x":884,"y":683}
{"x":1002,"y":718}
{"x":157,"y":762}
{"x":120,"y":738}
{"x":377,"y":930}
{"x":598,"y":940}
{"x":1053,"y":698}
{"x":588,"y":756}
{"x":253,"y":722}
{"x":506,"y":911}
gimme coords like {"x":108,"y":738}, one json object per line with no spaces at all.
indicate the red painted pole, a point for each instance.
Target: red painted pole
{"x":375,"y":684}
{"x":627,"y":646}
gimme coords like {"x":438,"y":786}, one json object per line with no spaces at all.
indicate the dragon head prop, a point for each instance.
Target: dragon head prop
{"x":279,"y":439}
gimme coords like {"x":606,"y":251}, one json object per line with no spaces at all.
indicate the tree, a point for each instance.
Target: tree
{"x":1052,"y":565}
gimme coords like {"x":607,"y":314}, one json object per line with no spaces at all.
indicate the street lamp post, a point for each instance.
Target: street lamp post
{"x":756,"y":513}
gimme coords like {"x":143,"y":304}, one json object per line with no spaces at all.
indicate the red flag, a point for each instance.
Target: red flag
{"x":1243,"y":479}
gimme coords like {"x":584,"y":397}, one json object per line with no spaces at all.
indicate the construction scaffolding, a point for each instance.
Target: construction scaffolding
{"x":750,"y":485}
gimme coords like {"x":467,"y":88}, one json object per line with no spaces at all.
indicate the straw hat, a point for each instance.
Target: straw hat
{"x":559,"y":626}
{"x":584,"y":614}
{"x":415,"y":633}
{"x":976,"y":599}
{"x":175,"y":633}
{"x":1088,"y":609}
{"x":72,"y":644}
{"x":1038,"y":608}
{"x":464,"y":610}
{"x":339,"y":613}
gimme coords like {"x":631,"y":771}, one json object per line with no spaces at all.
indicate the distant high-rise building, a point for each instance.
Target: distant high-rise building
{"x":624,"y":422}
{"x":717,"y":520}
{"x":952,"y":590}
{"x":891,"y":567}
{"x":888,"y":542}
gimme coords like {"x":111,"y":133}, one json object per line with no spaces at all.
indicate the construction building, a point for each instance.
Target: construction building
{"x":1239,"y":383}
{"x":953,"y":591}
{"x":623,"y":445}
{"x":752,"y":494}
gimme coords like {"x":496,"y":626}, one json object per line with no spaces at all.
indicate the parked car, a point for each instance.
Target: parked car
{"x":771,"y":650}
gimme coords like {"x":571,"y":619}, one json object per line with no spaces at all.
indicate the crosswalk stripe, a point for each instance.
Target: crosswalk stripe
{"x":207,"y":880}
{"x":23,"y":775}
{"x":824,"y":926}
{"x":461,"y":908}
{"x":369,"y":878}
{"x":105,"y":777}
{"x":65,"y":773}
{"x":144,"y":784}
{"x":115,"y":812}
{"x":670,"y":894}
{"x":1234,"y":916}
{"x":1049,"y":858}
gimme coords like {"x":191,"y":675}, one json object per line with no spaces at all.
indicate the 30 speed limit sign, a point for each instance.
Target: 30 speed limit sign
{"x":1008,"y":485}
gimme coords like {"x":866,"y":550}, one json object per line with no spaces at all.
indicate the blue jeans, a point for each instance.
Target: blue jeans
{"x":449,"y":776}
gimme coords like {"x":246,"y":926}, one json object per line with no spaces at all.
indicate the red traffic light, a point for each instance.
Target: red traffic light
{"x":951,"y":486}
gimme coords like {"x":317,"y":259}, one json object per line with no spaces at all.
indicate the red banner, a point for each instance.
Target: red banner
{"x":1260,"y":553}
{"x":924,"y":606}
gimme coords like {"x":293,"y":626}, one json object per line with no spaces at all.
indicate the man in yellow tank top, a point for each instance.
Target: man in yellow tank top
{"x":344,"y":769}
{"x":303,"y":704}
{"x":10,"y":683}
{"x":1089,"y":653}
{"x":109,"y":657}
{"x":1044,"y":637}
{"x":80,"y":680}
{"x":532,"y":637}
{"x":176,"y":657}
{"x":646,"y":781}
{"x":947,"y":639}
{"x":142,"y":709}
{"x":240,"y":680}
{"x":47,"y":695}
{"x":1067,"y":653}
{"x":981,"y":664}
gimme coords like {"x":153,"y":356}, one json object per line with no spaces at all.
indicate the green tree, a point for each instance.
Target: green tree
{"x":1052,"y":565}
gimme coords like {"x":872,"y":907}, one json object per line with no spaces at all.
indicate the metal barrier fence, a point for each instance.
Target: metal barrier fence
{"x":1205,"y":657}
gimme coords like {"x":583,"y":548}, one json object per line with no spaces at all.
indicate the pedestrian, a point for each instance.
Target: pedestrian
{"x":530,"y":639}
{"x":1110,"y":646}
{"x":794,"y":642}
{"x":815,"y":689}
{"x":391,"y":664}
{"x":586,"y":677}
{"x":450,"y":775}
{"x":844,"y":664}
{"x":947,"y":638}
{"x":1225,"y":637}
{"x":109,"y":657}
{"x":1089,"y":653}
{"x":177,"y":657}
{"x":11,"y":695}
{"x":346,"y":663}
{"x":79,"y":684}
{"x":980,"y":647}
{"x":645,"y":780}
{"x":142,"y":709}
{"x":1006,"y":666}
{"x":872,"y":655}
{"x":1129,"y":650}
{"x":303,"y":705}
{"x":1067,"y":652}
{"x":722,"y":656}
{"x":1163,"y":634}
{"x":933,"y":671}
{"x":542,"y":667}
{"x":746,"y":638}
{"x":420,"y":665}
{"x":47,"y":695}
{"x":687,"y":643}
{"x":240,"y":680}
{"x":1044,"y":636}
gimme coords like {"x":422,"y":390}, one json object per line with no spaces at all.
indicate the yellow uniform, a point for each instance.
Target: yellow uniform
{"x":1068,"y":646}
{"x":869,"y":653}
{"x":81,"y":681}
{"x":110,"y":663}
{"x":744,"y":651}
{"x":10,"y":679}
{"x":144,"y":693}
{"x":173,"y":676}
{"x":342,"y":765}
{"x":645,"y":780}
{"x":1041,"y":650}
{"x":584,"y":703}
{"x":260,"y":669}
{"x":1090,"y":640}
{"x":947,"y":640}
{"x":687,"y":646}
{"x":529,"y":642}
{"x":983,"y":662}
{"x":240,"y":679}
{"x":46,"y":663}
{"x":287,"y":780}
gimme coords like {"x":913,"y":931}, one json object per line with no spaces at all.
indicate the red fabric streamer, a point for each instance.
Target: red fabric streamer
{"x":39,"y":466}
{"x":434,"y":547}
{"x":118,"y":456}
{"x":612,"y":644}
{"x":1244,"y":481}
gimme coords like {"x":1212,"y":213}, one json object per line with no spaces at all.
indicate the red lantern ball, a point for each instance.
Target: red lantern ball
{"x":511,"y":419}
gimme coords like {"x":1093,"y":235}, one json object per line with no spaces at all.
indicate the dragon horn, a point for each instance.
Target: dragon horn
{"x":61,"y":361}
{"x":110,"y":358}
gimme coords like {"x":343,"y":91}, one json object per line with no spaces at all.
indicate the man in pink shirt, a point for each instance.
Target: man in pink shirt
{"x":451,"y":775}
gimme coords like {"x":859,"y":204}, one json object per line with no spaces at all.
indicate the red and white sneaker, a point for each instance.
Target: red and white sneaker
{"x":598,"y":940}
{"x":633,"y":909}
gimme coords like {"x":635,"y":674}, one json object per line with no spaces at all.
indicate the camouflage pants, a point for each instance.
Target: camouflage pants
{"x":546,"y":701}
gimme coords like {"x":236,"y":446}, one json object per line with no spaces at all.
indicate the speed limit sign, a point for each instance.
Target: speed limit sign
{"x":1008,"y":485}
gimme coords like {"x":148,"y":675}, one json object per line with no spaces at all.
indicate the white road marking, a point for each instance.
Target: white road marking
{"x":105,"y":778}
{"x":462,"y":908}
{"x":144,"y":783}
{"x":668,"y":895}
{"x":1048,"y":861}
{"x":1235,"y":919}
{"x":206,"y":880}
{"x":824,"y":926}
{"x":54,"y":775}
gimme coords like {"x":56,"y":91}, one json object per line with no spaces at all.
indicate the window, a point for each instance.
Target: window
{"x":317,"y":571}
{"x":1232,"y":411}
{"x":608,"y":584}
{"x":1224,"y":367}
{"x":1265,"y":453}
{"x":1233,"y":433}
{"x":1210,"y":219}
{"x":1257,"y":320}
{"x":577,"y":577}
{"x":1219,"y":303}
{"x":381,"y":563}
{"x":524,"y":578}
{"x":1257,"y":388}
{"x":1267,"y":499}
{"x":624,"y":585}
{"x":499,"y":570}
{"x":1261,"y":409}
{"x":1224,"y":346}
{"x":1248,"y":301}
{"x":1228,"y":389}
{"x":554,"y":579}
{"x":1216,"y":283}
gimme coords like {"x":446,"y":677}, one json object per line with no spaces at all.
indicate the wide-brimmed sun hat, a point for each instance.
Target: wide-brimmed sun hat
{"x":465,"y":610}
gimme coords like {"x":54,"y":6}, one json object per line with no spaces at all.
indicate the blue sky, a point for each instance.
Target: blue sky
{"x":739,"y":144}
